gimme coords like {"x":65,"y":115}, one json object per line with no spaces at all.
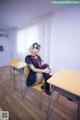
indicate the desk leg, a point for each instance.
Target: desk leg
{"x":13,"y":78}
{"x":23,"y":82}
{"x":49,"y":106}
{"x":78,"y":112}
{"x":22,"y":79}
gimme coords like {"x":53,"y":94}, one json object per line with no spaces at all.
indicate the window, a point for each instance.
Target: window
{"x":32,"y":35}
{"x":21,"y":41}
{"x":26,"y":37}
{"x":1,"y":48}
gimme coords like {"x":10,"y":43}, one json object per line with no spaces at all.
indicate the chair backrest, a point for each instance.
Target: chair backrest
{"x":26,"y":70}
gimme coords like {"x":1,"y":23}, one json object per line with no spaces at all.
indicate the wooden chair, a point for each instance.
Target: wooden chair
{"x":37,"y":87}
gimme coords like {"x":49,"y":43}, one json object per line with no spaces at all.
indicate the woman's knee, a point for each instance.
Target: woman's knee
{"x":45,"y":66}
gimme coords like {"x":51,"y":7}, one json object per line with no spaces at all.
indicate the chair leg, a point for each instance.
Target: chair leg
{"x":57,"y":99}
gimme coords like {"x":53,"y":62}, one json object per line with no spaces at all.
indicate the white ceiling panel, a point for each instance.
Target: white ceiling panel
{"x":14,"y":13}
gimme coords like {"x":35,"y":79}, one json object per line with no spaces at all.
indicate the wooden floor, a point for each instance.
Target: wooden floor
{"x":27,"y":108}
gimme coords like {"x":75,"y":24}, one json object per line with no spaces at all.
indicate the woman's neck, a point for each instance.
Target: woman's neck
{"x":33,"y":54}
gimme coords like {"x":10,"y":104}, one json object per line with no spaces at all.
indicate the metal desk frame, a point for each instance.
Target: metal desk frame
{"x":65,"y":93}
{"x":19,"y":67}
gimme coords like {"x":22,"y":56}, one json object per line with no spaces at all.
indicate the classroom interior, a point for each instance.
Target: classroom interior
{"x":56,"y":27}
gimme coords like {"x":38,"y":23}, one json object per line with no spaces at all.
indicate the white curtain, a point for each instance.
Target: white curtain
{"x":21,"y":41}
{"x":32,"y":35}
{"x":46,"y":35}
{"x":42,"y":32}
{"x":25,"y":38}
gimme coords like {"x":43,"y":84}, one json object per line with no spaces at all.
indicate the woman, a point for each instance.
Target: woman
{"x":38,"y":70}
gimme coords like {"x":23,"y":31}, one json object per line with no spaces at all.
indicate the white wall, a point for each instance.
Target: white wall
{"x":5,"y":56}
{"x":66,"y":40}
{"x":13,"y":44}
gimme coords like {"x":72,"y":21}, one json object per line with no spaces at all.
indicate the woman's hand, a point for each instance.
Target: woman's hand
{"x":47,"y":70}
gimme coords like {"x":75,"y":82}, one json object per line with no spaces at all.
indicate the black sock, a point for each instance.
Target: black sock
{"x":46,"y":77}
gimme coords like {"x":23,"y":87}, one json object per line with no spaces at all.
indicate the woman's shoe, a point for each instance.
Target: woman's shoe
{"x":48,"y":92}
{"x":42,"y":87}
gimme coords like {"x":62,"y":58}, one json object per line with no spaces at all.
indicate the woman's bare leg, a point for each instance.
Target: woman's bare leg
{"x":39,"y":78}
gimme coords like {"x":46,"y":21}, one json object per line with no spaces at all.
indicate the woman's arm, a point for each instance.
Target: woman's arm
{"x":46,"y":70}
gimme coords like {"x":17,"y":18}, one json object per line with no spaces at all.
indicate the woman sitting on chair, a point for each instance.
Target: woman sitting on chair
{"x":38,"y":70}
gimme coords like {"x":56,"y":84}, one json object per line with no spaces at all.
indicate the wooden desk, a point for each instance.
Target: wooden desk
{"x":19,"y":67}
{"x":67,"y":83}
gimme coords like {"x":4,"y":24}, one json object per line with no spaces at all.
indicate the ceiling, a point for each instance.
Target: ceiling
{"x":15,"y":13}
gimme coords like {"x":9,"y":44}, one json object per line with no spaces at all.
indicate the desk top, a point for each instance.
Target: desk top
{"x":68,"y":80}
{"x":19,"y":65}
